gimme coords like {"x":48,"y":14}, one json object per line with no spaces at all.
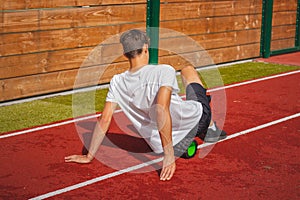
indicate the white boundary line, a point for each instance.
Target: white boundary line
{"x":254,"y":81}
{"x":74,"y":91}
{"x":97,"y":115}
{"x":98,"y":179}
{"x":253,"y":129}
{"x":133,"y":168}
{"x":39,"y":128}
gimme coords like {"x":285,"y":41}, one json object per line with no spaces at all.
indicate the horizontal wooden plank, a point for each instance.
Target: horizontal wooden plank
{"x":29,"y":64}
{"x":37,"y":20}
{"x":214,"y":25}
{"x":281,"y":32}
{"x":283,"y":5}
{"x":107,"y":2}
{"x":227,"y":39}
{"x":34,"y":4}
{"x":19,"y":21}
{"x":282,"y":44}
{"x":284,"y":18}
{"x":235,"y":53}
{"x":200,"y":9}
{"x":120,"y":14}
{"x":22,"y":65}
{"x":219,"y":8}
{"x":45,"y":62}
{"x":278,"y":5}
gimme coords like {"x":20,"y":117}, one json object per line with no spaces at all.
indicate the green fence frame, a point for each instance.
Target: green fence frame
{"x":152,"y":23}
{"x":266,"y":31}
{"x":153,"y":19}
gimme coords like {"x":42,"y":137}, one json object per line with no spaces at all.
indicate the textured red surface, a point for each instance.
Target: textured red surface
{"x":260,"y":165}
{"x":286,"y":59}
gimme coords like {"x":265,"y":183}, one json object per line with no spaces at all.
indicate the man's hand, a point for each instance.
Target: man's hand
{"x":78,"y":159}
{"x":168,"y":168}
{"x":98,"y":135}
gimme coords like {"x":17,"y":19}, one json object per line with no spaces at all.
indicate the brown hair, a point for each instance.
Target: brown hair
{"x":133,"y":42}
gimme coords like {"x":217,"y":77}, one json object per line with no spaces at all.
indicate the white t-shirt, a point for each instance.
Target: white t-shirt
{"x":136,"y":95}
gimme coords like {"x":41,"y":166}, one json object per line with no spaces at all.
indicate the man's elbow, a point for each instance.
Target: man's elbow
{"x":105,"y":120}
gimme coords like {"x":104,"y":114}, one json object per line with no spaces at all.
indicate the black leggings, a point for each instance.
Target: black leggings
{"x":196,"y":92}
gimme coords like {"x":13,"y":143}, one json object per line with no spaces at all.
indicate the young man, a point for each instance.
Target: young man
{"x":147,"y":94}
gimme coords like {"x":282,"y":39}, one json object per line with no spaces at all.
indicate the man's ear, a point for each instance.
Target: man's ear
{"x":145,"y":48}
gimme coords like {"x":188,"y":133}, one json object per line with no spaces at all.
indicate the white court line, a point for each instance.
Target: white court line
{"x":39,"y":128}
{"x":97,"y":115}
{"x":253,"y":129}
{"x":254,"y":81}
{"x":133,"y":168}
{"x":95,"y":180}
{"x":47,"y":126}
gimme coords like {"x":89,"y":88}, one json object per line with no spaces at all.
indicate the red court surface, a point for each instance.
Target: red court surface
{"x":262,"y":164}
{"x":285,"y":59}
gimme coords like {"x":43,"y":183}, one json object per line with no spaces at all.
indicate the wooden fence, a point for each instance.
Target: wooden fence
{"x":44,"y":43}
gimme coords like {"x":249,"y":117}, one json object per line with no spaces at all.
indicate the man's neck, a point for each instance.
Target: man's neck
{"x":137,"y":63}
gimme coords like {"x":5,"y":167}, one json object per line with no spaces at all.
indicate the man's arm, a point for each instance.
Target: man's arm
{"x":164,"y":122}
{"x":98,"y":135}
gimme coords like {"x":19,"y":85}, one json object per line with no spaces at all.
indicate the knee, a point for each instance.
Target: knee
{"x":187,"y":71}
{"x":190,"y":75}
{"x":187,"y":68}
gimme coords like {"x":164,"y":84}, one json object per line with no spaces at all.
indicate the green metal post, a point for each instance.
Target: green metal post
{"x":266,"y":28}
{"x":153,"y":11}
{"x":297,"y":37}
